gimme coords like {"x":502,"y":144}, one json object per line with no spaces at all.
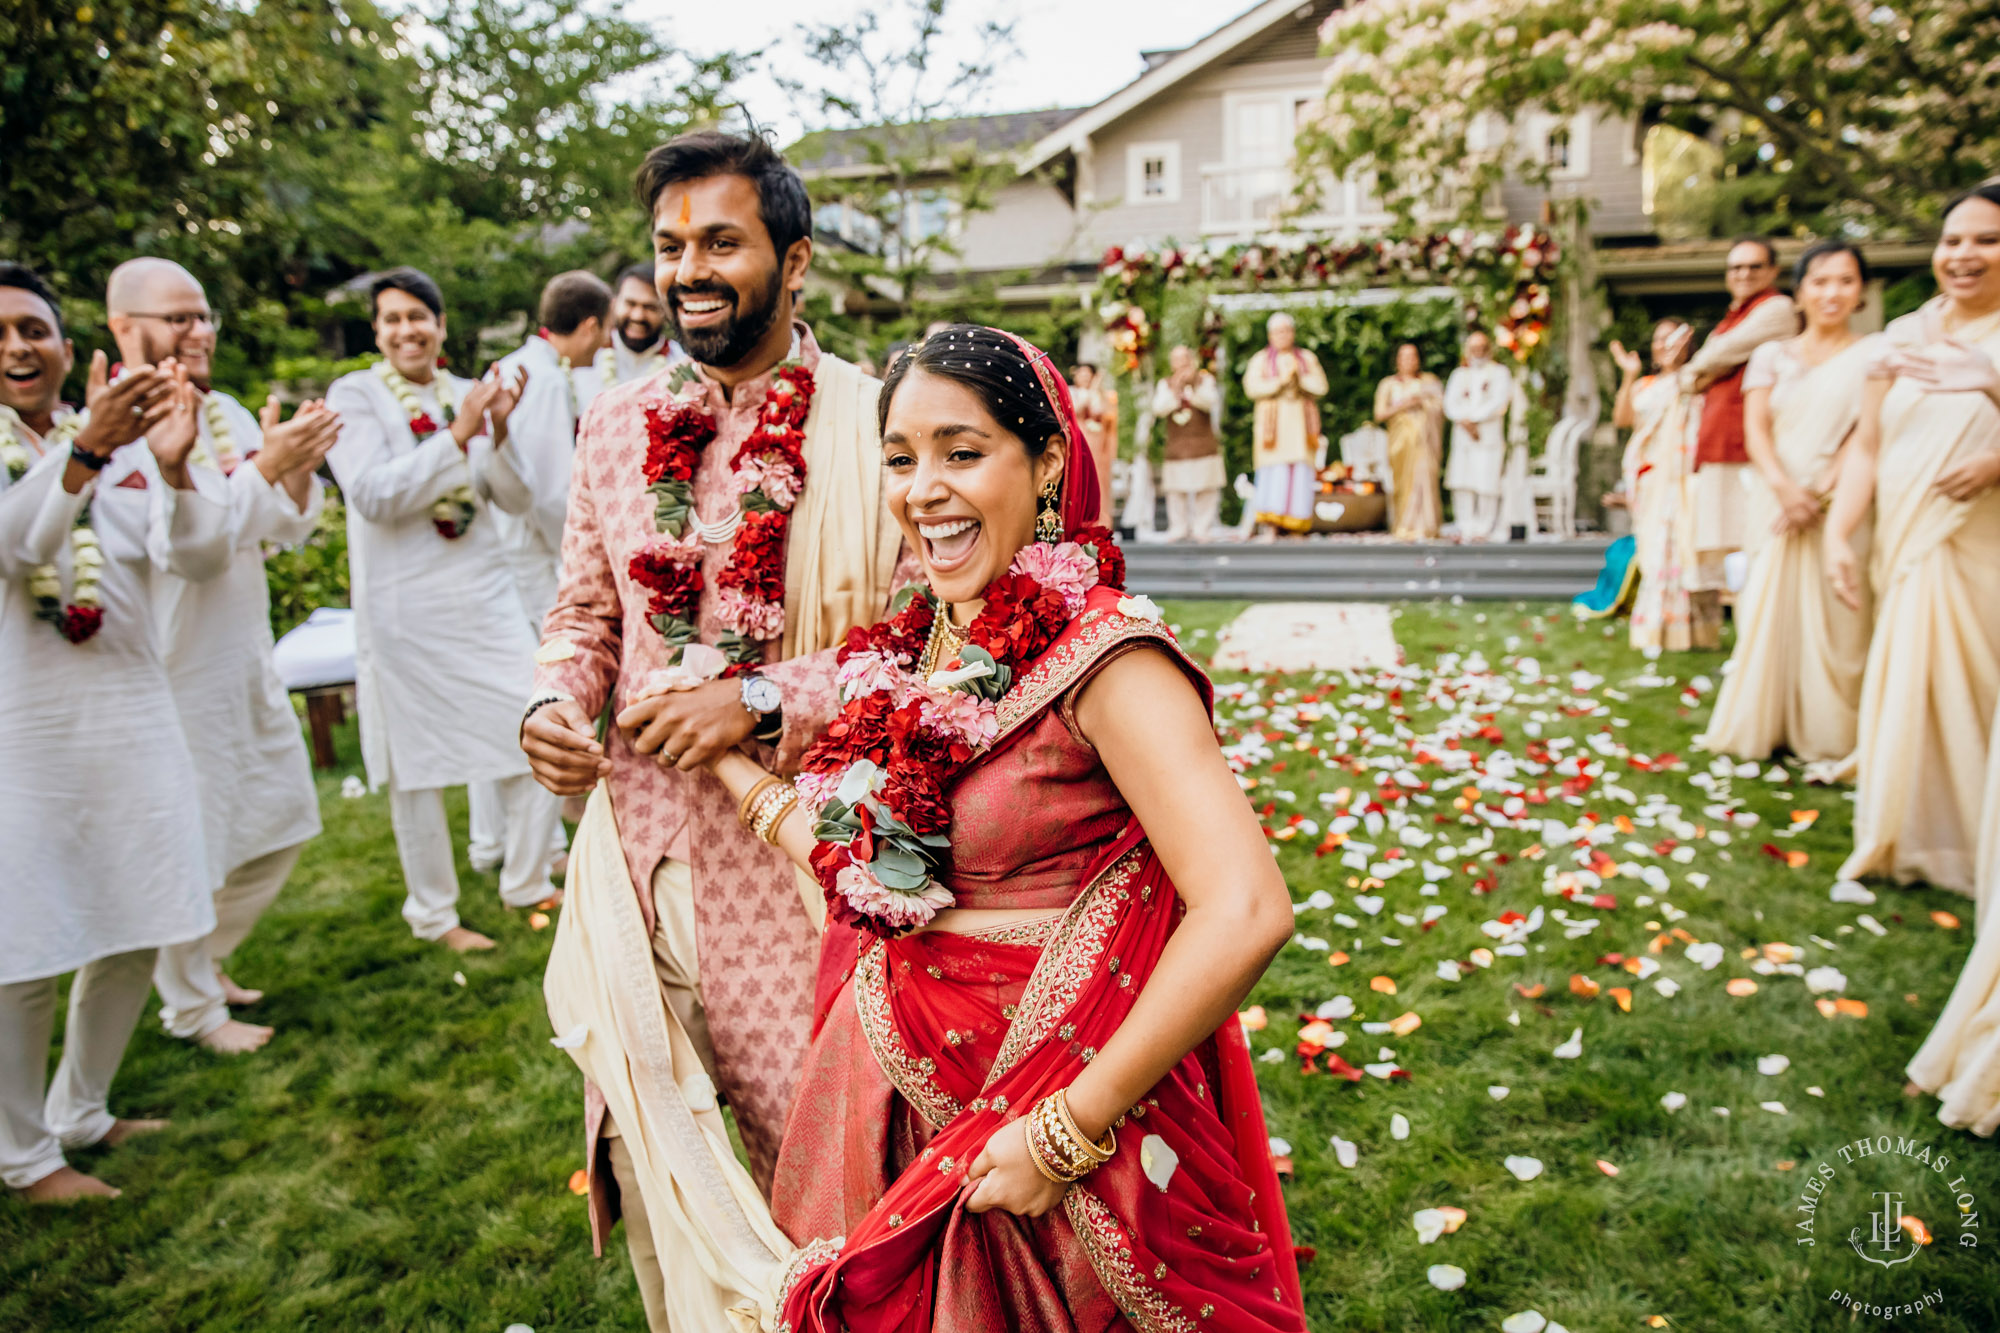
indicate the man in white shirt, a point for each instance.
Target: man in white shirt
{"x":1477,"y":400}
{"x":444,"y":655}
{"x":574,"y":310}
{"x":258,"y":803}
{"x":639,"y":341}
{"x":99,"y":820}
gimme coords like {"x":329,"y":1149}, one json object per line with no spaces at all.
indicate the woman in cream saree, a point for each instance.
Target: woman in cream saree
{"x":1410,"y":405}
{"x":1656,"y":472}
{"x":1933,"y":677}
{"x":1794,"y":680}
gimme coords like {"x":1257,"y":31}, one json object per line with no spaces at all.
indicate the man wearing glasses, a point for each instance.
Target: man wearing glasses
{"x":1758,"y":313}
{"x":254,"y":783}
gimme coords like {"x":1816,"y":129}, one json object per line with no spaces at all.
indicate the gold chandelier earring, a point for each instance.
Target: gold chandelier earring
{"x":1048,"y":524}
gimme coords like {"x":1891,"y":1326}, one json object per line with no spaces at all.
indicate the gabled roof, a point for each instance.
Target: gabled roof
{"x":1157,"y":78}
{"x":847,"y":152}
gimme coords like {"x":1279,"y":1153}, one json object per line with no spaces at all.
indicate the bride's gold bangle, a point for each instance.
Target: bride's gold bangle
{"x":750,"y":798}
{"x":771,"y":813}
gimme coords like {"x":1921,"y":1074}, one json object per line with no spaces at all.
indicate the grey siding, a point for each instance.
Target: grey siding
{"x":1614,"y":187}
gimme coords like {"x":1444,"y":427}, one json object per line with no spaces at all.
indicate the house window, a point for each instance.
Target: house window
{"x":1153,"y":173}
{"x":930,"y":215}
{"x":1562,"y":143}
{"x":1557,"y":155}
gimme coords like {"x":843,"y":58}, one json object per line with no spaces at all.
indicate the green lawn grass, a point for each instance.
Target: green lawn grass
{"x":398,"y":1157}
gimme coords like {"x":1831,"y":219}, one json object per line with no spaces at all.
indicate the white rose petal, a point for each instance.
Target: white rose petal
{"x":1429,"y":1223}
{"x":1528,"y":1321}
{"x":1707,"y":953}
{"x":1445,"y":1277}
{"x":571,"y":1039}
{"x":1668,"y":987}
{"x":1523,"y":1168}
{"x":1158,"y":1160}
{"x":1139,"y":608}
{"x":1674,"y":1101}
{"x":1849,"y":891}
{"x":1775,"y":1108}
{"x":1399,"y":1126}
{"x":1572,"y":1048}
{"x":1497,"y":1091}
{"x":1344,"y":1152}
{"x":1280,"y":1148}
{"x":1773,"y":1064}
{"x":1823,"y":979}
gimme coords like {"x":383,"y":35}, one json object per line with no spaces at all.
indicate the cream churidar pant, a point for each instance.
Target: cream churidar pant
{"x":531,"y":820}
{"x":1794,"y":681}
{"x":707,"y":1253}
{"x":1934,"y":668}
{"x":105,"y":1002}
{"x":191,"y":1003}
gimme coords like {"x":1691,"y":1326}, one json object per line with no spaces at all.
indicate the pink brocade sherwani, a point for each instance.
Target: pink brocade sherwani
{"x":757,"y":950}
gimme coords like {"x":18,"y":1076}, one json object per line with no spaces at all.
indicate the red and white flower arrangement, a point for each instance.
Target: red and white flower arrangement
{"x":453,"y":512}
{"x":82,"y":615}
{"x":769,"y":470}
{"x":875,"y":782}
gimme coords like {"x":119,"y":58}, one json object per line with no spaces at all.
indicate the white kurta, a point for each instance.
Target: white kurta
{"x":255,"y":781}
{"x":542,"y":434}
{"x":1479,"y":395}
{"x":444,"y":658}
{"x":99,"y":820}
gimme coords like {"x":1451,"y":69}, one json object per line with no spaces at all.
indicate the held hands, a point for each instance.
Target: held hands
{"x":123,"y":411}
{"x":561,"y":744}
{"x":1003,"y":1176}
{"x":1800,"y":509}
{"x":689,"y":728}
{"x":300,"y":444}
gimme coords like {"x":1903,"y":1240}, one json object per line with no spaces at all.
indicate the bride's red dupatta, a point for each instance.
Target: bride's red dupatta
{"x":1184,"y":1228}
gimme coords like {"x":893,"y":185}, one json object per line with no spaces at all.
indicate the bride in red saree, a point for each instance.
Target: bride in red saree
{"x":1111,"y":900}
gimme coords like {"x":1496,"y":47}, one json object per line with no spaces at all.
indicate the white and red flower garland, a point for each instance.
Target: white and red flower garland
{"x":875,"y":782}
{"x":453,"y":512}
{"x":768,"y":471}
{"x":83,"y":615}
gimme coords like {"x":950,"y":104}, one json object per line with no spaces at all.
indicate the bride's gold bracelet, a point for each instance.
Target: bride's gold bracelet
{"x":758,"y":789}
{"x":1058,"y":1148}
{"x":771,"y":810}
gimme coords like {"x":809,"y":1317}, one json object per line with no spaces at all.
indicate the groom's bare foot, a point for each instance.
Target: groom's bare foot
{"x":460,"y":939}
{"x":122,"y":1130}
{"x":236,"y":1038}
{"x":234,"y":995}
{"x":550,"y":903}
{"x":66,"y":1184}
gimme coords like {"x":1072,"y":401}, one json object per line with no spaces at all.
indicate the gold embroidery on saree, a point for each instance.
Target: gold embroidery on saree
{"x":810,"y":1255}
{"x":913,"y":1078}
{"x":1110,"y":1253}
{"x":1067,"y":961}
{"x":1063,"y":665}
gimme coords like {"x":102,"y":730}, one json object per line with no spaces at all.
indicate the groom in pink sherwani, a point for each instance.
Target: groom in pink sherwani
{"x":733,"y":945}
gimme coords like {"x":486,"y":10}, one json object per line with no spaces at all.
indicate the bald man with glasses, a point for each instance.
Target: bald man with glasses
{"x":1758,"y":313}
{"x":254,"y":782}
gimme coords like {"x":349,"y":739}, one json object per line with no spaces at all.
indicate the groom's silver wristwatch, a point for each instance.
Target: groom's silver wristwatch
{"x":763,"y":700}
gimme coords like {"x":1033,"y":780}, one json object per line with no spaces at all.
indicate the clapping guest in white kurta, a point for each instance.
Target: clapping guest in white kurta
{"x":258,"y":804}
{"x":444,"y":655}
{"x":99,"y":820}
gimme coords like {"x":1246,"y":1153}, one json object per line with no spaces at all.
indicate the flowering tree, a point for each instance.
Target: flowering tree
{"x":1832,"y":115}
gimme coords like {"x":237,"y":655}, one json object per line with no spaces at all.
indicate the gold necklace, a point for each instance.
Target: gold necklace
{"x":946,"y":641}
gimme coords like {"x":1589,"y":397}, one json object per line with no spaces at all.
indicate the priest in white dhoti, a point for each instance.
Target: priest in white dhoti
{"x":1286,"y":382}
{"x":1478,"y":399}
{"x":99,"y":820}
{"x":640,"y":343}
{"x":542,"y":429}
{"x":258,"y":804}
{"x":443,"y":653}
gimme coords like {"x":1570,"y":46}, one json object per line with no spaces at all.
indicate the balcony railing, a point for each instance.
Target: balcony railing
{"x":1241,"y":201}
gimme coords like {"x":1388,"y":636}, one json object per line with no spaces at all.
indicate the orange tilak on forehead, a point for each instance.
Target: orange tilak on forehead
{"x":687,"y":208}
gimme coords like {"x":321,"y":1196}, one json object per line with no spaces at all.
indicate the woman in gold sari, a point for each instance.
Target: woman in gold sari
{"x":1656,"y":470}
{"x":1794,"y":681}
{"x":1926,"y":453}
{"x":1410,"y":403}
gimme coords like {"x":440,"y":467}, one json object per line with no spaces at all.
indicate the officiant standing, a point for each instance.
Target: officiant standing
{"x":1286,"y":382}
{"x":1478,"y":399}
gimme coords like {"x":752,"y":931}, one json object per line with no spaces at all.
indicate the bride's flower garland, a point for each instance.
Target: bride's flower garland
{"x":83,"y":615}
{"x":769,"y":470}
{"x":875,"y":782}
{"x":454,"y":511}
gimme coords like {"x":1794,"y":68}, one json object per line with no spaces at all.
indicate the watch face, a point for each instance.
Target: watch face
{"x":760,"y":695}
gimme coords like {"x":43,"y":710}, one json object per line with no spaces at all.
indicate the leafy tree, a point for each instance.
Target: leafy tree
{"x":1831,"y":115}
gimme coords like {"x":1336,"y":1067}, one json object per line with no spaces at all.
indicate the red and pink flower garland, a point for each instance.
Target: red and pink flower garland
{"x":875,"y":782}
{"x":769,"y":470}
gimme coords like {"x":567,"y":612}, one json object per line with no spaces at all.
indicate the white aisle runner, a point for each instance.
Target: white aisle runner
{"x":1308,"y":636}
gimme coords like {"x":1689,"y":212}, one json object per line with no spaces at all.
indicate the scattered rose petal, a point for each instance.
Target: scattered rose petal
{"x":1429,"y":1223}
{"x":458,"y":977}
{"x":579,"y":1181}
{"x":1279,"y":1147}
{"x":1254,"y":1019}
{"x":1404,"y":1024}
{"x":1771,"y":1065}
{"x":1454,"y":1218}
{"x":1674,"y":1101}
{"x":538,"y":921}
{"x":1946,"y":921}
{"x":1815,"y":1091}
{"x":1497,"y":1091}
{"x":1158,"y":1160}
{"x":1823,"y":979}
{"x":1741,"y":986}
{"x":1399,"y":1126}
{"x":1523,"y":1168}
{"x":1622,"y":997}
{"x":1667,"y":987}
{"x":1528,"y":1321}
{"x":1852,"y":1008}
{"x":1849,"y":891}
{"x":1347,"y":1154}
{"x":1445,"y":1277}
{"x":1606,"y":1167}
{"x":1775,"y":1108}
{"x":1572,"y":1048}
{"x":571,"y":1039}
{"x":1707,"y":953}
{"x":1920,"y":1233}
{"x":1583,"y":986}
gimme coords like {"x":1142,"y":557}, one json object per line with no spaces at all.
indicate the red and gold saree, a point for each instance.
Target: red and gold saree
{"x":934,"y":1041}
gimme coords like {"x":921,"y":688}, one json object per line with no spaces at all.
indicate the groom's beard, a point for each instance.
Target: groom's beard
{"x":726,"y":344}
